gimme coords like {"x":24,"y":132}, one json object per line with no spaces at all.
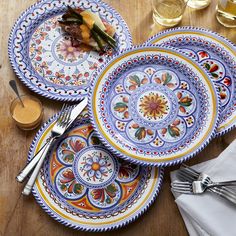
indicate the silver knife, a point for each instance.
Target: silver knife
{"x":30,"y":166}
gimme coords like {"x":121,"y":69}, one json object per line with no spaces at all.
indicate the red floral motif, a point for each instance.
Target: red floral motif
{"x":126,"y":170}
{"x":42,"y":35}
{"x":69,"y":184}
{"x":165,"y":80}
{"x":94,"y":66}
{"x":203,"y":54}
{"x":44,"y":65}
{"x":106,"y":194}
{"x":213,"y":68}
{"x":227,"y":81}
{"x":76,"y":146}
{"x":184,"y":102}
{"x":223,"y":93}
{"x":141,"y":132}
{"x":122,"y":107}
{"x":172,"y":129}
{"x":59,"y":75}
{"x":136,"y":82}
{"x":68,"y":52}
{"x":37,"y":50}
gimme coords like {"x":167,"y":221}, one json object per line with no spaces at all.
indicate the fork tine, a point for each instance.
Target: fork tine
{"x":190,"y":172}
{"x":64,"y":113}
{"x":184,"y":175}
{"x":61,"y":112}
{"x":181,"y":184}
{"x":181,"y":191}
{"x":190,"y":169}
{"x":68,"y":114}
{"x":187,"y":188}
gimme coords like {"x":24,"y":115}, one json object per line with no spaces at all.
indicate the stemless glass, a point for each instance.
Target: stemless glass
{"x":168,"y":12}
{"x":198,"y":4}
{"x":226,"y":12}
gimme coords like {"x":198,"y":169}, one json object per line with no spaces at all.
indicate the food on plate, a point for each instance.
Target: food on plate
{"x":88,"y":28}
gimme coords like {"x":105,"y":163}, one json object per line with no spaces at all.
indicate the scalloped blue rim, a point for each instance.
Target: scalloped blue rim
{"x":51,"y":213}
{"x":146,"y":163}
{"x":21,"y":76}
{"x":185,"y":28}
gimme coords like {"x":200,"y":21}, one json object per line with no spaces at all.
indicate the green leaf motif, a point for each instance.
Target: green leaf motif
{"x":185,"y":104}
{"x":63,"y":187}
{"x":207,"y":66}
{"x":173,"y":131}
{"x":69,"y":158}
{"x":78,"y":188}
{"x":108,"y":200}
{"x":214,"y":75}
{"x":120,"y":106}
{"x":140,"y":133}
{"x":111,"y":190}
{"x":135,"y":79}
{"x":168,"y":79}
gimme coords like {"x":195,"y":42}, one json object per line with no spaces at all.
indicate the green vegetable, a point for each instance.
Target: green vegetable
{"x":107,"y":38}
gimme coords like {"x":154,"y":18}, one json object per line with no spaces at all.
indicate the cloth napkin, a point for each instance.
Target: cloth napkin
{"x":208,"y":213}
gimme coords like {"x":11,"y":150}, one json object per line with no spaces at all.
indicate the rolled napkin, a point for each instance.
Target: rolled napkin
{"x":208,"y":213}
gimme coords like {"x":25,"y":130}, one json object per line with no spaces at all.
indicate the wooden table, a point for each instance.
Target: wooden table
{"x":21,"y":215}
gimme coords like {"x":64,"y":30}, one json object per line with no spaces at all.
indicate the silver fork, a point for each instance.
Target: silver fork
{"x":197,"y":186}
{"x":57,"y":130}
{"x":188,"y":175}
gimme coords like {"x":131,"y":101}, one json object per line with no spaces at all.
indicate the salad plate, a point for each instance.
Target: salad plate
{"x":217,"y":54}
{"x":154,"y":106}
{"x":84,"y":186}
{"x":43,"y":56}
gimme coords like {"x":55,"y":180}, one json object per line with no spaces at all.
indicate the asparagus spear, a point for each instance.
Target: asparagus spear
{"x":97,"y":39}
{"x":106,"y":37}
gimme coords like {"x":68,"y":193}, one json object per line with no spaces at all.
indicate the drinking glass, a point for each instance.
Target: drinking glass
{"x":168,"y":12}
{"x":198,"y":4}
{"x":226,"y":12}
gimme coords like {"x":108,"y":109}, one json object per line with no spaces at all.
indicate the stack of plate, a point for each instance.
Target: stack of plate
{"x":149,"y":107}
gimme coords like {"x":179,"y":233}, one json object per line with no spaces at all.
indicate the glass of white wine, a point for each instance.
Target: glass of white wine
{"x":226,"y":12}
{"x":168,"y":12}
{"x":198,"y":4}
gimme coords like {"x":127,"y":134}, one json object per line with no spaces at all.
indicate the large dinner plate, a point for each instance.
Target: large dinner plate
{"x":217,"y":54}
{"x":84,"y":186}
{"x":43,"y":57}
{"x":154,"y":106}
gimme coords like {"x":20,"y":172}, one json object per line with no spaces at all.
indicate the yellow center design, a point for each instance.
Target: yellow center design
{"x":70,"y":49}
{"x":153,"y":105}
{"x":95,"y":166}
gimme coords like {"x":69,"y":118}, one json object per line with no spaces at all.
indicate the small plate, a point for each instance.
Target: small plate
{"x":154,"y":106}
{"x":84,"y":186}
{"x":215,"y":53}
{"x":43,"y":57}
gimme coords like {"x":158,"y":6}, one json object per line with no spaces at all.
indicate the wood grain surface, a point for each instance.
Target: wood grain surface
{"x":22,"y":215}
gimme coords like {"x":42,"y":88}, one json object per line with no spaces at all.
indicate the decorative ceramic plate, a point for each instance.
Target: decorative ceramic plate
{"x":153,"y":106}
{"x":84,"y":186}
{"x":43,"y":57}
{"x":217,"y":54}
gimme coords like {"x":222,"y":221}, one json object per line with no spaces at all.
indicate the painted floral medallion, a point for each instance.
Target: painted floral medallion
{"x":95,"y":167}
{"x":152,"y":107}
{"x":217,"y":55}
{"x":85,"y":186}
{"x":44,"y":57}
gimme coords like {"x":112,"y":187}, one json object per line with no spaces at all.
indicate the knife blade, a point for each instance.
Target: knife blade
{"x":77,"y":110}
